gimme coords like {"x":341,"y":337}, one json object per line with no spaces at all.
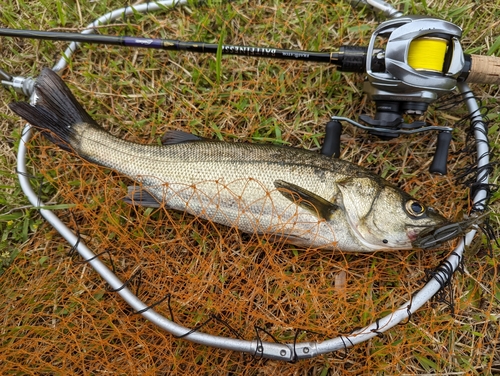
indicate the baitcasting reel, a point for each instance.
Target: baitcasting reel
{"x":421,"y":61}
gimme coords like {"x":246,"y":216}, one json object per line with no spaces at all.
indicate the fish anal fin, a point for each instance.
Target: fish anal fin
{"x":141,"y":197}
{"x":306,"y":199}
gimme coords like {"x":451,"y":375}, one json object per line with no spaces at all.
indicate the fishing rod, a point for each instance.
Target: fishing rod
{"x":347,"y":58}
{"x":422,"y":60}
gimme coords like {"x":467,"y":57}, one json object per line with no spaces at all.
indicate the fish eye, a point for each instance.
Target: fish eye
{"x":415,"y":208}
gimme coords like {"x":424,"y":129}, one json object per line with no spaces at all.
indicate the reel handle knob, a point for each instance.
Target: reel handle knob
{"x":331,"y":145}
{"x":438,"y":165}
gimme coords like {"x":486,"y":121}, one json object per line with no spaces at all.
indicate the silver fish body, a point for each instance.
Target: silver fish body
{"x":300,"y":196}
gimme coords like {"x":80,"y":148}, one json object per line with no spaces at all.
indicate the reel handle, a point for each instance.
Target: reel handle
{"x":331,"y":145}
{"x":438,"y":165}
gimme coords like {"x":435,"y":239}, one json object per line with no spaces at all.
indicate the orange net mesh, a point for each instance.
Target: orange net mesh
{"x":59,"y":318}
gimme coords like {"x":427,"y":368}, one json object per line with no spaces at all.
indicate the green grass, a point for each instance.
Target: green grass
{"x":138,"y":94}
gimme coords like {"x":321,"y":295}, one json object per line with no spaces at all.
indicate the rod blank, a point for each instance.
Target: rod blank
{"x":175,"y":45}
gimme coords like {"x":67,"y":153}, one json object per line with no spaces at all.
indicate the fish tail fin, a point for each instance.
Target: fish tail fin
{"x":54,"y":111}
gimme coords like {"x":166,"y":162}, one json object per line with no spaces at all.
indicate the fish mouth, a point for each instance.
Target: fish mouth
{"x":434,"y":236}
{"x":413,"y":234}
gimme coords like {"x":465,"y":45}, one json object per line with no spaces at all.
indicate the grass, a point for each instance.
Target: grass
{"x":59,"y":310}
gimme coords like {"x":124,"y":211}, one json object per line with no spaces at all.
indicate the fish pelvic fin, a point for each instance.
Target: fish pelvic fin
{"x":308,"y":200}
{"x":54,"y":110}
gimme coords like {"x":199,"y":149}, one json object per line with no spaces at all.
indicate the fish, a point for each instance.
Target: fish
{"x":288,"y":194}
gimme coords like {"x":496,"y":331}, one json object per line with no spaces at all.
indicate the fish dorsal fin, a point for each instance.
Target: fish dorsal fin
{"x":178,"y":137}
{"x":306,"y":199}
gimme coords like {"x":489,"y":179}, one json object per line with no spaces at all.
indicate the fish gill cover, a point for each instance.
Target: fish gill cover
{"x":60,"y":317}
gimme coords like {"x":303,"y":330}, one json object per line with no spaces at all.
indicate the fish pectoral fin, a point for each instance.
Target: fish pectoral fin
{"x":178,"y":137}
{"x":308,"y":200}
{"x":141,"y":197}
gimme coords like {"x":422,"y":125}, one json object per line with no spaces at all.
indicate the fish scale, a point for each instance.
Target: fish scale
{"x":211,"y":180}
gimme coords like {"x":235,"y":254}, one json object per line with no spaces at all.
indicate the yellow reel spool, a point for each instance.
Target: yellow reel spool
{"x":427,"y":54}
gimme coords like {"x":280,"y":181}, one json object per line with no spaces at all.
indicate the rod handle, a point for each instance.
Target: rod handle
{"x":484,"y":70}
{"x":331,"y":145}
{"x":438,"y":165}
